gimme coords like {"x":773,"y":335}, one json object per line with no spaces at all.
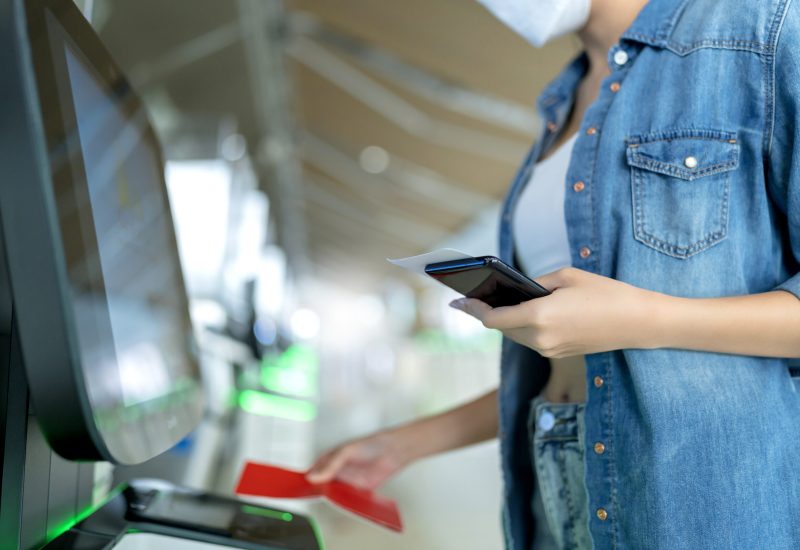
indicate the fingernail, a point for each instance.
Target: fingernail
{"x":457,"y":304}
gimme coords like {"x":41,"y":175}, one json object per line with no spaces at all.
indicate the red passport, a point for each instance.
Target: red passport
{"x":271,"y":481}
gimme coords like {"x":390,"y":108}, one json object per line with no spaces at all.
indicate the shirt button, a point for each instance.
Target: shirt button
{"x":599,"y":448}
{"x":690,"y":162}
{"x":578,"y":186}
{"x":620,"y":57}
{"x":615,"y":86}
{"x":602,"y":514}
{"x":598,"y":381}
{"x":547,"y":421}
{"x":591,"y":131}
{"x":585,"y":252}
{"x":551,"y":126}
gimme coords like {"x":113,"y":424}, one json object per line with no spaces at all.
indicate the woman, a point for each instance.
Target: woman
{"x":682,"y":214}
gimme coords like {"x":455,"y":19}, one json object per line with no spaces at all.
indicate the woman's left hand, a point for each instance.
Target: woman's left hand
{"x":586,"y":313}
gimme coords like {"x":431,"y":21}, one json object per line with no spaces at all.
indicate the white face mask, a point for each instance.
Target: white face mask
{"x":539,"y":21}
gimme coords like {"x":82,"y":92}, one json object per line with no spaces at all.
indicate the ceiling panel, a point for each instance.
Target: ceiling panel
{"x":189,"y":59}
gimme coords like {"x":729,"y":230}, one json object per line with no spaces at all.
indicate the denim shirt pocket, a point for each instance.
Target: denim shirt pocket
{"x":680,"y":185}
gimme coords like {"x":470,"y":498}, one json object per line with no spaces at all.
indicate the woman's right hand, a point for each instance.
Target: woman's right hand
{"x":366,"y":462}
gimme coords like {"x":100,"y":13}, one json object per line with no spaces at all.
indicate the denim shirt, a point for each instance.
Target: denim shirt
{"x":690,"y":168}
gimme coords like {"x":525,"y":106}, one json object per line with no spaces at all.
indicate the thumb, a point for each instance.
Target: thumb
{"x":471,"y":306}
{"x":328,"y":466}
{"x":555,"y":279}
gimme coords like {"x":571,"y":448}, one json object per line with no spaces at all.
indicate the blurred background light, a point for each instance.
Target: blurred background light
{"x":374,"y":159}
{"x":305,"y":324}
{"x":265,"y":331}
{"x":233,"y":147}
{"x":270,"y":281}
{"x":199,"y":193}
{"x":265,"y":404}
{"x":207,"y":313}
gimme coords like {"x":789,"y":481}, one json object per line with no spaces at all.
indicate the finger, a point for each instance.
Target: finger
{"x":355,"y":476}
{"x":327,"y":470}
{"x":471,"y":306}
{"x":556,"y":279}
{"x":322,"y":461}
{"x":510,"y":317}
{"x":319,"y":465}
{"x":323,"y":458}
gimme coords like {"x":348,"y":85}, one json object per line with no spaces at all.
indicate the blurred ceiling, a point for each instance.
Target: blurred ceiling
{"x":320,"y":89}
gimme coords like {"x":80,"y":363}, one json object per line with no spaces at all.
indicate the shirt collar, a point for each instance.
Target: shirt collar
{"x":653,"y":26}
{"x":562,"y":88}
{"x":655,"y":23}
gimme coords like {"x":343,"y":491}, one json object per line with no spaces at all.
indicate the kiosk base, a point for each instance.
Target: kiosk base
{"x":190,"y":515}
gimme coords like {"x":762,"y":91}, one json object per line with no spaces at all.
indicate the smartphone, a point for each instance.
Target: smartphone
{"x":487,"y":279}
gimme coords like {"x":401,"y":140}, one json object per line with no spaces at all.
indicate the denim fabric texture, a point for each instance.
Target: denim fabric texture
{"x":556,"y":434}
{"x":691,"y":172}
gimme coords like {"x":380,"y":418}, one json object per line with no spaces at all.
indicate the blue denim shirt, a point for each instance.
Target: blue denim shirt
{"x":691,"y":173}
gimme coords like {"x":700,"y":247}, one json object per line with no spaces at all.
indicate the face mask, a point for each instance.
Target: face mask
{"x":539,"y":21}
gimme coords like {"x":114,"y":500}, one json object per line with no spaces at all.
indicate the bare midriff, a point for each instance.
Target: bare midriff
{"x":567,"y":383}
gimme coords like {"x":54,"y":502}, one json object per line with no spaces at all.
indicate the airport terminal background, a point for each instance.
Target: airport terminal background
{"x":305,"y":142}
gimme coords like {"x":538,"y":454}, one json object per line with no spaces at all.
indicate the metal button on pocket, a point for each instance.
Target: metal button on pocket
{"x":690,"y":162}
{"x":547,"y":421}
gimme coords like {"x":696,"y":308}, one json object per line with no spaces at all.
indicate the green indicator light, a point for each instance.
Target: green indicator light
{"x":300,"y":357}
{"x":264,"y":404}
{"x":267,"y":513}
{"x":317,"y":533}
{"x":65,"y":526}
{"x":294,"y":372}
{"x":271,"y":361}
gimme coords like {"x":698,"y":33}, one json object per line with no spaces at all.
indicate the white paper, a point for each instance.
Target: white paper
{"x":416,"y":264}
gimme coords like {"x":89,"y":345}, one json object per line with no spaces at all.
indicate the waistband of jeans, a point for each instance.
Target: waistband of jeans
{"x":562,"y":421}
{"x":561,"y":410}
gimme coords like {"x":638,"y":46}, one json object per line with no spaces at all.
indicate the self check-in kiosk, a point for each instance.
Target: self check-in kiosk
{"x":96,"y":351}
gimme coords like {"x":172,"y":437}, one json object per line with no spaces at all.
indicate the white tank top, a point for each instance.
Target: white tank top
{"x":539,"y":225}
{"x":540,"y":228}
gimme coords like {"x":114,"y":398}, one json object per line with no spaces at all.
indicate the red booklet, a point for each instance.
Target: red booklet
{"x":271,"y":481}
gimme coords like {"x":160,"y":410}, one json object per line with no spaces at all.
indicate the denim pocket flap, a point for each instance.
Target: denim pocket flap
{"x":684,"y":154}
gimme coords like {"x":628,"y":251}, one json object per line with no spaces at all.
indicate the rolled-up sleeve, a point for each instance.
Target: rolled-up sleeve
{"x":783,"y":141}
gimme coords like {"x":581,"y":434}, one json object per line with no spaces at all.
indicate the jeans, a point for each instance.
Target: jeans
{"x":560,"y":502}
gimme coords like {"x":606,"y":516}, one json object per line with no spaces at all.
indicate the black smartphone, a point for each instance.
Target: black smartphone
{"x":487,"y":279}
